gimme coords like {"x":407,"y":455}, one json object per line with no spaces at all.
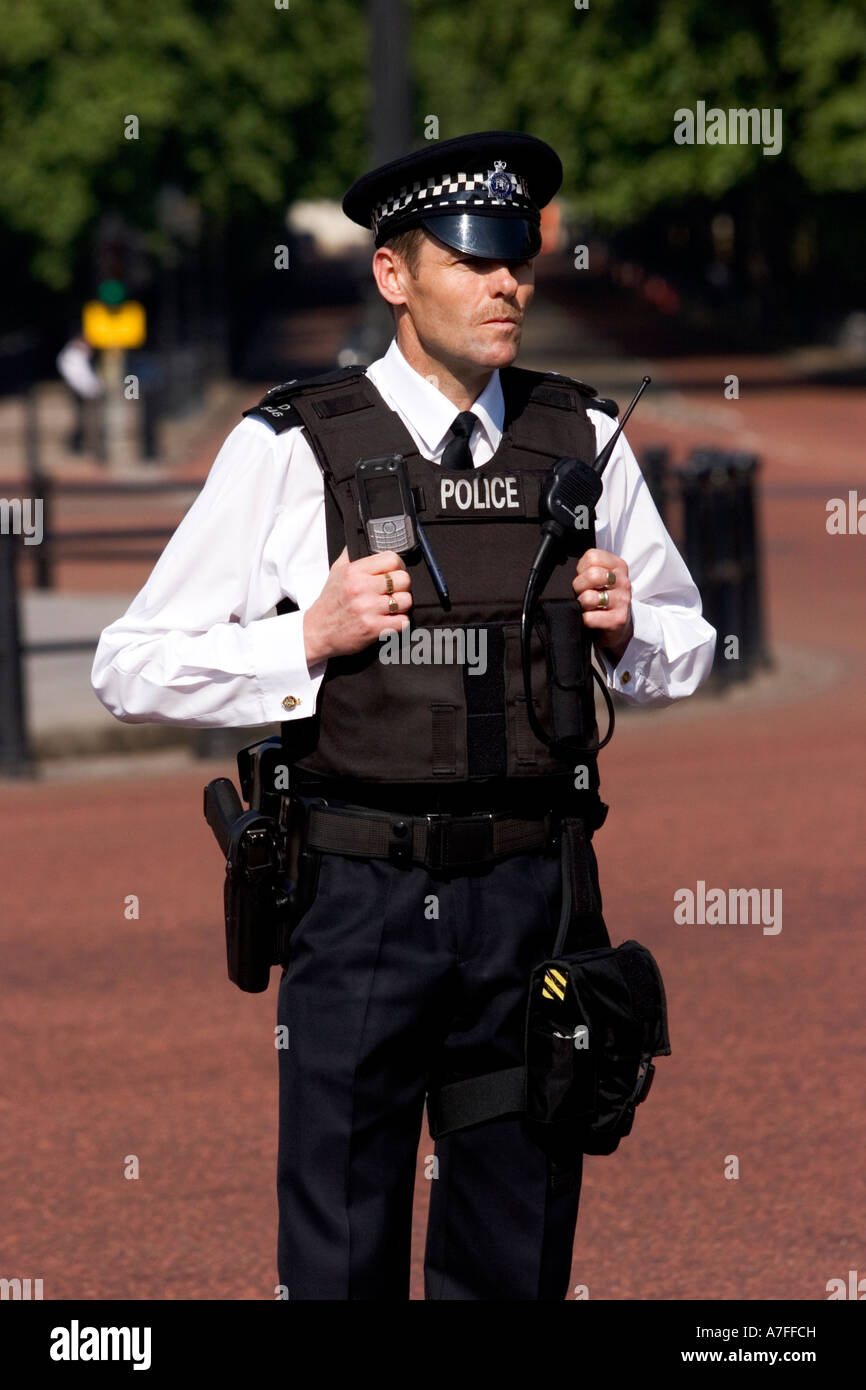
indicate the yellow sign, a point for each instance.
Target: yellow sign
{"x":106,"y":327}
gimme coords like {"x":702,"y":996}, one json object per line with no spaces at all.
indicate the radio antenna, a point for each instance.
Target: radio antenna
{"x":604,"y":457}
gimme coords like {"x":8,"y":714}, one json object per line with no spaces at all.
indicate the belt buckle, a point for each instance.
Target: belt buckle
{"x":436,"y":839}
{"x":455,"y":842}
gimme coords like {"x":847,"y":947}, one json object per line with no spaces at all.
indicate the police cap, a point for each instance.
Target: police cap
{"x":481,"y":194}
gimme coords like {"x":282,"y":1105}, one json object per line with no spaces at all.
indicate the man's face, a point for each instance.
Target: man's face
{"x":465,"y":309}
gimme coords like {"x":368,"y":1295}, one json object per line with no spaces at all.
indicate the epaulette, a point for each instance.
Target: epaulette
{"x":275,"y":407}
{"x":594,"y":401}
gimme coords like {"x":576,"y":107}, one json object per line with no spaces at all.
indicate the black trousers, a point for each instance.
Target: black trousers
{"x":397,"y":976}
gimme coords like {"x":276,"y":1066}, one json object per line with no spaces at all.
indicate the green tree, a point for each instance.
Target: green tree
{"x":602,"y":85}
{"x":243,"y":105}
{"x":246,"y":106}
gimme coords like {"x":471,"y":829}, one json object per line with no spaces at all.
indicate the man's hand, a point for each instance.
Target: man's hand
{"x":352,"y":609}
{"x":600,"y":573}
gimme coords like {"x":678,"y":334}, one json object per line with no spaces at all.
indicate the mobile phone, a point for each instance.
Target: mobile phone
{"x":386,"y":504}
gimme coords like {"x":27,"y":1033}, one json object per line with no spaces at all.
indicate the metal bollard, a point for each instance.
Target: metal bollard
{"x":721,"y":551}
{"x":655,"y":465}
{"x":43,"y":487}
{"x":698,"y":549}
{"x":743,"y":469}
{"x":708,"y":544}
{"x":16,"y":759}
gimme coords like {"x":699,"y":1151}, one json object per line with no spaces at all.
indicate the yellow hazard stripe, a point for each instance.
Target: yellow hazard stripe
{"x":551,"y":984}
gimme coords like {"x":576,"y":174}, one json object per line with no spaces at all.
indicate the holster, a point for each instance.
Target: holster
{"x":270,"y":876}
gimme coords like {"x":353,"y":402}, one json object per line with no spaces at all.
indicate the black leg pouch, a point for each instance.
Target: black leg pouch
{"x":596,"y":1017}
{"x":595,"y":1020}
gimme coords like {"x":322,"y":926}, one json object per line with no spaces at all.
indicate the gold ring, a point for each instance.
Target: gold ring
{"x":604,"y":599}
{"x":393,"y":606}
{"x":389,"y":584}
{"x":611,"y":579}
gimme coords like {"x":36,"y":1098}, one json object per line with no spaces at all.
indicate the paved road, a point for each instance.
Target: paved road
{"x":123,"y":1037}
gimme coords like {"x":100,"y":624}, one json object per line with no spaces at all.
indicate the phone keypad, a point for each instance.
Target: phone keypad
{"x":390,"y":533}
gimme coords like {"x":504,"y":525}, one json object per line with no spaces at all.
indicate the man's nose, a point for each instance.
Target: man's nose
{"x":504,"y":279}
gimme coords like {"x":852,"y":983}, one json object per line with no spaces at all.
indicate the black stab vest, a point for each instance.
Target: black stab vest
{"x":435,"y":720}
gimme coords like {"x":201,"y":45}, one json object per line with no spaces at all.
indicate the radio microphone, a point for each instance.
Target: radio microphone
{"x":569,"y":496}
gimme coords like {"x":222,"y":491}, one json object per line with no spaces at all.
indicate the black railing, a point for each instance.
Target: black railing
{"x":16,"y":754}
{"x":47,"y":489}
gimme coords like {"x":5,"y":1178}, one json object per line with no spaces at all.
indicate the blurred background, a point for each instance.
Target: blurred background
{"x":173,"y":244}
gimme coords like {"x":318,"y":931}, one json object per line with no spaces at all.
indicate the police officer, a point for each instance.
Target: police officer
{"x":429,"y":800}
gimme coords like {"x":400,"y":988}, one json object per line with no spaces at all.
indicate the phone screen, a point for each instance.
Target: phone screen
{"x":383,"y":495}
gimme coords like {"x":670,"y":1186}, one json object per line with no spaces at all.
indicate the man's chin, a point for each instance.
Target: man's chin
{"x":498,"y":349}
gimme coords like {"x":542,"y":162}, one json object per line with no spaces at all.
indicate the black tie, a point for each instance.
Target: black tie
{"x":457,"y":453}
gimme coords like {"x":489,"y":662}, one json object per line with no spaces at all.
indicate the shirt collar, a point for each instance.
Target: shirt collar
{"x":425,"y":407}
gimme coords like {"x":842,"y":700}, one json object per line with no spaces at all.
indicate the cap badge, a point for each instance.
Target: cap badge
{"x":500,"y":184}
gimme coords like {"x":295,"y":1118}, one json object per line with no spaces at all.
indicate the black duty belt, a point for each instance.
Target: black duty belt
{"x":434,"y":841}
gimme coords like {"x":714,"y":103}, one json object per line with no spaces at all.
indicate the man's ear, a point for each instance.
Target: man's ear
{"x":390,"y":273}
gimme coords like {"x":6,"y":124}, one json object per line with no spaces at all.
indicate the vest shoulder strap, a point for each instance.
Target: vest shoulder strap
{"x":321,"y":403}
{"x":553,"y":388}
{"x":347,"y":420}
{"x":276,"y":408}
{"x":546,"y":413}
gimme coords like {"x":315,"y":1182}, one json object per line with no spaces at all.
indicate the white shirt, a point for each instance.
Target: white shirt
{"x":196,"y":645}
{"x":74,"y":365}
